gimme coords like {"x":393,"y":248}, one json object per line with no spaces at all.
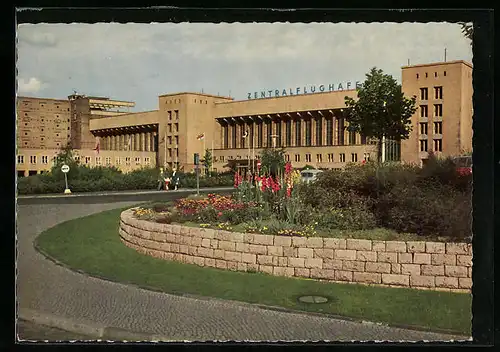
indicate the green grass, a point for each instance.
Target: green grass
{"x":92,"y":244}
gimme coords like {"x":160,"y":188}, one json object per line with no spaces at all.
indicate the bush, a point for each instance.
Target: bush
{"x":357,"y":218}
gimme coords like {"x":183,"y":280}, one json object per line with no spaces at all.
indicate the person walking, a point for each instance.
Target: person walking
{"x":175,"y":180}
{"x":161,"y":180}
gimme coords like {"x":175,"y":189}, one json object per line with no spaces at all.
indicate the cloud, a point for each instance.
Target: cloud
{"x":33,"y":85}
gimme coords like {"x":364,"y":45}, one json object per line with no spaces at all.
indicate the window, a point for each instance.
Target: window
{"x":98,"y":160}
{"x":342,"y":157}
{"x":87,"y":160}
{"x":77,"y":158}
{"x":329,"y":131}
{"x":354,"y":157}
{"x":424,"y":93}
{"x":352,"y":137}
{"x":298,"y":133}
{"x":366,"y":157}
{"x":176,"y":127}
{"x":169,"y":138}
{"x":438,"y":128}
{"x":438,"y":145}
{"x":33,"y":159}
{"x":444,"y":73}
{"x":426,"y":75}
{"x":319,"y":158}
{"x":438,"y":110}
{"x":147,"y":161}
{"x":330,"y":157}
{"x":169,"y":152}
{"x":438,"y":92}
{"x":20,"y":159}
{"x":287,"y":157}
{"x":169,"y":128}
{"x":288,"y":133}
{"x":417,"y":75}
{"x":423,"y":127}
{"x":308,"y":158}
{"x":222,"y":158}
{"x":176,"y":140}
{"x":108,"y":161}
{"x":169,"y":115}
{"x":118,"y":161}
{"x":45,"y":159}
{"x":319,"y":131}
{"x":176,"y":114}
{"x":435,"y":74}
{"x":424,"y":111}
{"x":297,"y":158}
{"x":308,"y":133}
{"x":137,"y":160}
{"x":127,"y":160}
{"x":176,"y":152}
{"x":423,"y":145}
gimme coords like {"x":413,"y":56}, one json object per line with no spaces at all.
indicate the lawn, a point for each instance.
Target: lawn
{"x":92,"y":244}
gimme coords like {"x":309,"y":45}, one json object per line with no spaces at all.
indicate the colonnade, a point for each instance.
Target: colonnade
{"x":139,"y":141}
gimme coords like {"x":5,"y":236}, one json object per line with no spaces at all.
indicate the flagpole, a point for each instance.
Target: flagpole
{"x":165,"y":150}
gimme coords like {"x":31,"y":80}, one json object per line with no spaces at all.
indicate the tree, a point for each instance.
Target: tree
{"x":272,"y":160}
{"x":381,"y":110}
{"x":467,"y":30}
{"x":65,"y":157}
{"x":207,"y":161}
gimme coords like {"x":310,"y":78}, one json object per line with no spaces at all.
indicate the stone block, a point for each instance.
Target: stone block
{"x":378,"y":246}
{"x":422,"y":258}
{"x":323,"y":253}
{"x":342,"y":275}
{"x":332,"y":264}
{"x":233,"y":256}
{"x":158,"y":236}
{"x":455,"y":271}
{"x":205,"y":242}
{"x":345,"y":254}
{"x":282,"y":261}
{"x":170,"y":256}
{"x":396,"y":279}
{"x":199,"y":261}
{"x":175,"y":229}
{"x":220,"y":264}
{"x":265,"y":259}
{"x":196,"y":241}
{"x":174,"y":248}
{"x":435,"y":247}
{"x":353,"y":265}
{"x":283,"y":271}
{"x":263,"y":240}
{"x":299,"y":241}
{"x":171,"y":238}
{"x":189,"y":259}
{"x":395,"y":246}
{"x":366,"y":256}
{"x":185,"y":231}
{"x":205,"y":252}
{"x":440,"y":259}
{"x":410,"y":269}
{"x":359,"y":245}
{"x":405,"y":258}
{"x":249,"y":258}
{"x":314,"y":242}
{"x":446,"y":282}
{"x":464,"y":282}
{"x":248,"y":238}
{"x":193,"y":232}
{"x":387,"y":257}
{"x":257,"y":249}
{"x":268,"y":269}
{"x":236,"y":237}
{"x":210,"y":262}
{"x":252,"y":267}
{"x":283,"y":241}
{"x":422,"y":281}
{"x":305,"y":252}
{"x":302,"y":272}
{"x":469,"y":272}
{"x":415,"y":247}
{"x":395,"y":268}
{"x":432,"y":270}
{"x":219,"y":254}
{"x":334,"y":243}
{"x":290,"y":251}
{"x":469,"y":248}
{"x":223,"y":235}
{"x":184,"y":249}
{"x":457,"y":248}
{"x":164,"y":247}
{"x":378,"y":267}
{"x":241,"y":266}
{"x":192,"y":250}
{"x":370,"y":278}
{"x":242,"y":247}
{"x":328,"y":274}
{"x":214,"y":244}
{"x":297,"y":262}
{"x":275,"y":250}
{"x":227,"y":245}
{"x":232,"y":266}
{"x":313,"y":263}
{"x":464,"y":260}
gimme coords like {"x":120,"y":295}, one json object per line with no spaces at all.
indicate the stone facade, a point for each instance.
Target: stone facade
{"x":421,"y":265}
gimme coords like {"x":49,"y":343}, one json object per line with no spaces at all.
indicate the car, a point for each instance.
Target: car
{"x":308,"y":176}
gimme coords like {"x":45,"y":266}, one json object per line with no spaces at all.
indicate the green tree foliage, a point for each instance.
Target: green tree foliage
{"x":381,"y":109}
{"x":272,"y":160}
{"x":65,"y":157}
{"x":207,"y":161}
{"x":467,"y":30}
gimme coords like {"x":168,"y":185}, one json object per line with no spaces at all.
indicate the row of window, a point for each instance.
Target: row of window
{"x":438,"y":127}
{"x":438,"y":110}
{"x":319,"y":157}
{"x":438,"y":145}
{"x":176,"y":114}
{"x":33,"y":159}
{"x":87,"y":160}
{"x":175,"y":129}
{"x":427,"y":74}
{"x":438,"y":93}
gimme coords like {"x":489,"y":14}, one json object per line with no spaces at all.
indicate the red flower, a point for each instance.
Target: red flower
{"x":219,"y":213}
{"x":288,"y":168}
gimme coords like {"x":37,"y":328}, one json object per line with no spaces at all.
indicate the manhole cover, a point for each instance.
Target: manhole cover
{"x":313,"y":299}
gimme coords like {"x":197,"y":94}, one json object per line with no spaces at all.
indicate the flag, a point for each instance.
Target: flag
{"x":245,"y":135}
{"x":200,"y":136}
{"x":97,"y":145}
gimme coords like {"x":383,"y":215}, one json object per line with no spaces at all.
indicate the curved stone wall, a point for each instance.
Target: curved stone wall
{"x":423,"y":265}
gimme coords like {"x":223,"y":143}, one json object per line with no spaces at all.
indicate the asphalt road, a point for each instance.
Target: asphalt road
{"x":55,"y":296}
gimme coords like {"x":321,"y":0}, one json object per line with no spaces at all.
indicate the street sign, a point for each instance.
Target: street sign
{"x":65,"y":168}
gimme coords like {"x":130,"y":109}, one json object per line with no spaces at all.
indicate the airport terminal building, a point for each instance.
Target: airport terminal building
{"x":306,"y":121}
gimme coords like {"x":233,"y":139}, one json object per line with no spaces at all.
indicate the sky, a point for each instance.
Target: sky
{"x":139,"y":62}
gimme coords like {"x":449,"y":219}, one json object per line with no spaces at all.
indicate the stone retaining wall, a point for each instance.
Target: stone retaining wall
{"x":423,"y":265}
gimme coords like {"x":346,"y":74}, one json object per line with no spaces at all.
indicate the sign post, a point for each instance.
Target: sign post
{"x":65,"y":170}
{"x":197,"y":166}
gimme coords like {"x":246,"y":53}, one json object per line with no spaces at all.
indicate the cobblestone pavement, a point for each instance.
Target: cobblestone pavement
{"x":48,"y":288}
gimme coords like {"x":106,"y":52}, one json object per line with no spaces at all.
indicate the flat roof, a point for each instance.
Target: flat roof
{"x":439,"y":64}
{"x":37,"y":98}
{"x":202,"y":94}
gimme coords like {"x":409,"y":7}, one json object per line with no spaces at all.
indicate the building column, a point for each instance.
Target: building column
{"x":148,"y":141}
{"x":238,"y":135}
{"x":323,"y":130}
{"x":314,"y":122}
{"x":303,"y":123}
{"x":292,"y":131}
{"x":136,"y":142}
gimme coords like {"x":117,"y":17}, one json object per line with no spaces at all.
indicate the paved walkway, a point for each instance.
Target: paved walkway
{"x":50,"y":294}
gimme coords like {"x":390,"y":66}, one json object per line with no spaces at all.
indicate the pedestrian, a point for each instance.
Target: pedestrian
{"x":175,"y":180}
{"x":161,"y":180}
{"x":167,"y":182}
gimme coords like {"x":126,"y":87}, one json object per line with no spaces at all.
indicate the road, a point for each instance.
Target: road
{"x":52,"y":295}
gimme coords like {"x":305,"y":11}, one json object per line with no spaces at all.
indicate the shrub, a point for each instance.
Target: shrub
{"x":356,"y":218}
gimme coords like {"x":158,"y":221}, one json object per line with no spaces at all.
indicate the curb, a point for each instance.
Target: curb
{"x":152,"y":337}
